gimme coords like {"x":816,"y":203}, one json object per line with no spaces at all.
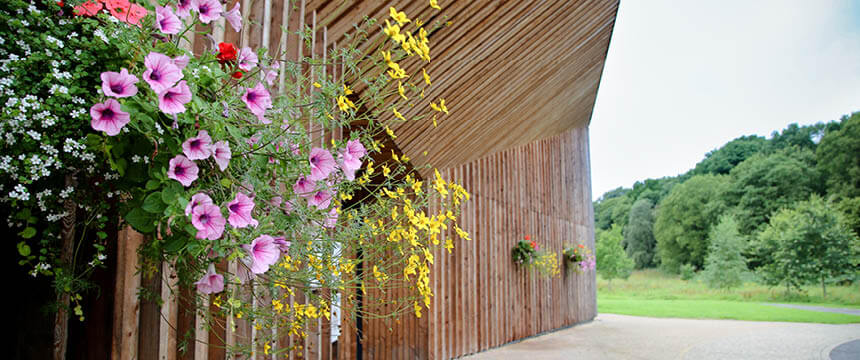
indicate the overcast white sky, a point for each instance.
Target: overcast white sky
{"x":684,"y":77}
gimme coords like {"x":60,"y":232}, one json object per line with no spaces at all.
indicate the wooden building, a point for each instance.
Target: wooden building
{"x":521,"y":78}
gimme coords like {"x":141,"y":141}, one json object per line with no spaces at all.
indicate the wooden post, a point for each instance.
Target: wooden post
{"x":126,"y":303}
{"x":61,"y":320}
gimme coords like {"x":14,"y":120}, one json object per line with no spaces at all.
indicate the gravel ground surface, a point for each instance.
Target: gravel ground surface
{"x":612,"y":336}
{"x":821,"y":308}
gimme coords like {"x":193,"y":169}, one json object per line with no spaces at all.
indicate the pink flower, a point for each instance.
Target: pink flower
{"x":197,"y":200}
{"x":161,"y":73}
{"x":198,"y":147}
{"x":283,"y":244}
{"x":247,"y":59}
{"x":89,"y":8}
{"x":276,"y":201}
{"x":240,"y":211}
{"x":167,"y":21}
{"x":271,"y":75}
{"x":264,"y":252}
{"x":211,"y":282}
{"x":303,"y":187}
{"x":119,"y":84}
{"x":208,"y":221}
{"x":257,"y":99}
{"x":221,"y":151}
{"x":173,"y":100}
{"x":183,"y":7}
{"x":331,"y":218}
{"x":108,"y":117}
{"x":234,"y":17}
{"x":208,"y":10}
{"x":182,"y":170}
{"x":350,"y":158}
{"x":321,"y":199}
{"x":181,"y":61}
{"x":322,"y":164}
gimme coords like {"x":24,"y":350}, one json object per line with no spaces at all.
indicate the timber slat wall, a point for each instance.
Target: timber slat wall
{"x":520,"y":78}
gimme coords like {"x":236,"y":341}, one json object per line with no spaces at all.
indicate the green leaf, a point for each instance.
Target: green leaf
{"x":29,"y":232}
{"x":102,"y":235}
{"x":140,"y":220}
{"x":23,"y":249}
{"x":153,"y":203}
{"x":152,"y":184}
{"x":225,"y":182}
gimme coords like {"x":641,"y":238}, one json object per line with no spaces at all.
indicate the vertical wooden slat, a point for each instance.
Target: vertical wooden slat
{"x":169,"y":314}
{"x":126,"y":303}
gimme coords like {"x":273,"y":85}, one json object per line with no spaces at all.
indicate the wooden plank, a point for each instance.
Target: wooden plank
{"x":126,"y":303}
{"x":150,"y":316}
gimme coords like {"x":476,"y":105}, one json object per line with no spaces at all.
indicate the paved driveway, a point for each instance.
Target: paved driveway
{"x":612,"y":336}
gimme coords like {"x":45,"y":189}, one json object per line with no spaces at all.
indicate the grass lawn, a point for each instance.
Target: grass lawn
{"x":653,"y":293}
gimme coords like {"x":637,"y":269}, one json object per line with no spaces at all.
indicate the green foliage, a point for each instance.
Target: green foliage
{"x":850,"y":209}
{"x":724,"y":159}
{"x":725,"y":265}
{"x":639,"y":242}
{"x":612,"y":211}
{"x":687,"y":271}
{"x":765,"y":183}
{"x":612,"y":261}
{"x":795,"y":136}
{"x":684,"y":219}
{"x":807,"y":243}
{"x":838,"y":157}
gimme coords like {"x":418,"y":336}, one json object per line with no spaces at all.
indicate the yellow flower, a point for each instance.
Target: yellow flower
{"x":369,"y":170}
{"x":416,"y":187}
{"x":317,"y":85}
{"x":401,"y":90}
{"x":435,"y":4}
{"x":397,"y":115}
{"x":386,"y":171}
{"x":396,"y":158}
{"x":442,"y":106}
{"x":346,"y":90}
{"x":390,"y":132}
{"x":400,"y":16}
{"x":386,"y":55}
{"x":393,"y":31}
{"x":426,"y":77}
{"x":434,"y":121}
{"x":344,"y":104}
{"x":449,"y":245}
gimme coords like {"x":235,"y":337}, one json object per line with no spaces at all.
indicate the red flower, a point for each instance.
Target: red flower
{"x":528,"y":238}
{"x":226,"y":52}
{"x":581,"y":246}
{"x":534,"y":245}
{"x":89,"y":8}
{"x":61,"y":4}
{"x":237,"y":75}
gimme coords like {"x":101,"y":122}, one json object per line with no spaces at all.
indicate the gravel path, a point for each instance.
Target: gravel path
{"x":612,"y":336}
{"x":820,"y":308}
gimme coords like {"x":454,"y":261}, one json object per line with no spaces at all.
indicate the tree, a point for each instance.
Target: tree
{"x":639,"y":240}
{"x":764,"y":184}
{"x":725,"y":264}
{"x":612,"y":211}
{"x":838,"y":157}
{"x":724,"y":159}
{"x":612,"y":262}
{"x":684,"y":218}
{"x":807,"y":243}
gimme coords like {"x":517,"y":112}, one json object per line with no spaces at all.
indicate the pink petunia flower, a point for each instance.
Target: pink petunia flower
{"x":182,"y":170}
{"x":197,"y":200}
{"x":247,"y":59}
{"x":331,"y":219}
{"x":198,"y":147}
{"x":119,"y":9}
{"x":108,"y":117}
{"x":208,"y":221}
{"x":135,"y":14}
{"x":173,"y":100}
{"x":184,"y":7}
{"x":283,"y":244}
{"x":181,"y":61}
{"x":240,"y":211}
{"x":119,"y":84}
{"x":89,"y":8}
{"x":321,"y":199}
{"x":211,"y":282}
{"x":208,"y":10}
{"x":322,"y":164}
{"x":264,"y":252}
{"x":166,"y":21}
{"x":222,"y":154}
{"x":350,"y":158}
{"x":234,"y":17}
{"x":303,"y":187}
{"x":271,"y":75}
{"x":161,"y":73}
{"x":257,"y":99}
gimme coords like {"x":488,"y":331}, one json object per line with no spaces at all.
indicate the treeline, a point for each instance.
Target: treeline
{"x":786,"y":208}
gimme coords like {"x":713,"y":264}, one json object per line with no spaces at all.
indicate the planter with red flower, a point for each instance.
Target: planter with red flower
{"x":527,"y":252}
{"x":579,"y":258}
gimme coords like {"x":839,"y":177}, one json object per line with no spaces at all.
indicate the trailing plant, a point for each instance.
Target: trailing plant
{"x":579,"y":258}
{"x":527,"y":253}
{"x":230,"y":176}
